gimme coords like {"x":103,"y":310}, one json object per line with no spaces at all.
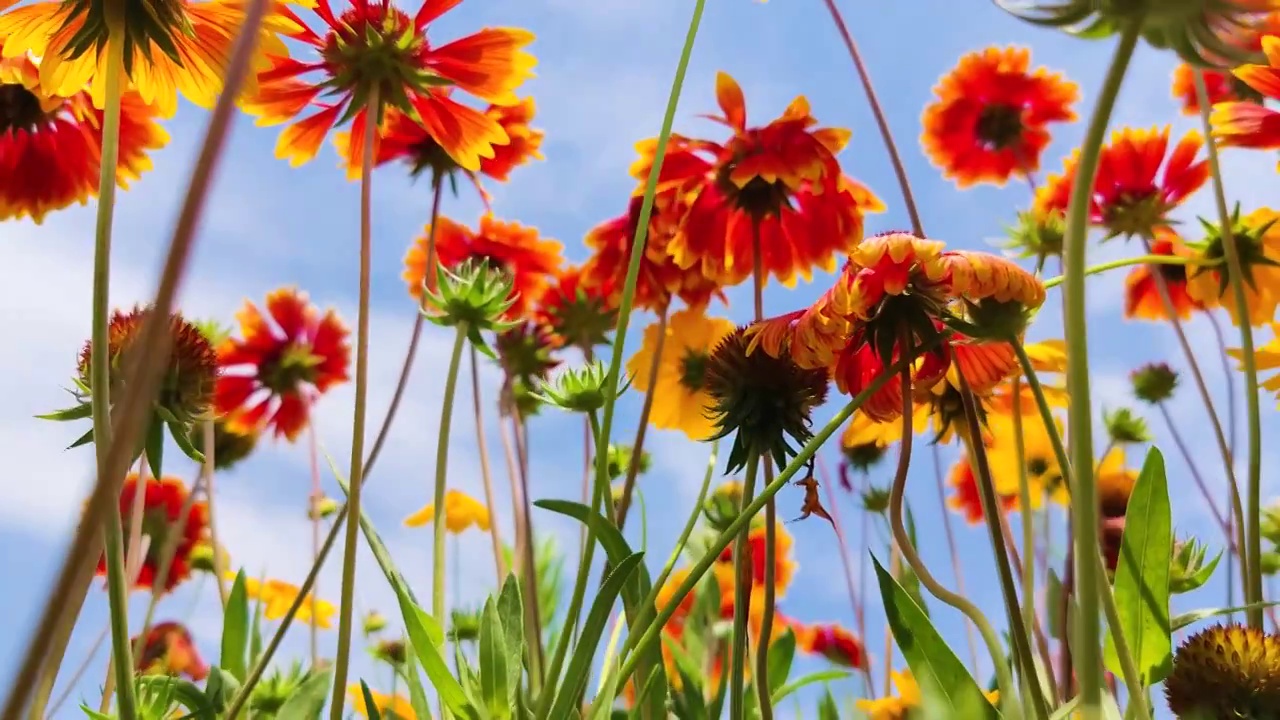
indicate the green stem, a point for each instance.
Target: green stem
{"x":642,"y":425}
{"x":1126,"y":262}
{"x":1253,"y":541}
{"x":638,"y":242}
{"x":1104,"y":596}
{"x":100,"y":367}
{"x":638,"y":642}
{"x":442,"y":472}
{"x":1027,"y":516}
{"x":1087,"y":652}
{"x":347,"y":603}
{"x":761,"y":679}
{"x":742,"y":575}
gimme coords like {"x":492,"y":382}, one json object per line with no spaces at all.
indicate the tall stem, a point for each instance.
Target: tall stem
{"x":952,"y":549}
{"x":1228,"y":378}
{"x":442,"y":472}
{"x":486,"y":476}
{"x":742,"y":574}
{"x":313,"y":512}
{"x":765,"y":701}
{"x":642,"y":425}
{"x":522,"y":555}
{"x":855,"y":601}
{"x":373,"y":112}
{"x":1084,"y":495}
{"x":1253,"y":544}
{"x":207,"y":472}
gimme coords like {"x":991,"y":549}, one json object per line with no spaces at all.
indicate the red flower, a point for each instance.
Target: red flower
{"x":580,"y":312}
{"x":965,"y":498}
{"x":834,"y":642}
{"x":272,"y":376}
{"x":1142,"y":296}
{"x":169,"y":650}
{"x":375,"y":47}
{"x":162,"y":504}
{"x":991,"y":117}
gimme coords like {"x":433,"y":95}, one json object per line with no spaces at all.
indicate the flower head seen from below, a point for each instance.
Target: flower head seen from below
{"x":389,"y":707}
{"x":1045,"y":478}
{"x":276,"y":370}
{"x":833,"y":642}
{"x":897,"y":288}
{"x":1132,"y":195}
{"x":530,"y":260}
{"x":1221,"y":84}
{"x":1143,"y":297}
{"x":1039,"y":233}
{"x":1257,"y":241}
{"x":374,"y":49}
{"x":231,"y":445}
{"x":778,"y":186}
{"x":51,"y":146}
{"x":965,"y":497}
{"x":1226,"y":671}
{"x":162,"y":526}
{"x":461,"y":511}
{"x":526,"y":352}
{"x":170,"y":650}
{"x":1242,"y":123}
{"x":186,"y":392}
{"x":1155,"y":383}
{"x":277,"y":596}
{"x":989,"y":120}
{"x":681,"y":400}
{"x":579,"y":312}
{"x":764,"y":401}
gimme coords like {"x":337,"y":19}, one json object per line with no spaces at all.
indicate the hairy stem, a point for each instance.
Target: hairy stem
{"x":742,"y":597}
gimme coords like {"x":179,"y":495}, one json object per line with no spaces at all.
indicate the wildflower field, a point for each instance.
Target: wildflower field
{"x":566,"y":359}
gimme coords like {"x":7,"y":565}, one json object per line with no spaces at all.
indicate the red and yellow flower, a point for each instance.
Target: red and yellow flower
{"x":779,"y":185}
{"x":170,"y":48}
{"x":1252,"y":124}
{"x":51,"y":146}
{"x":373,"y":49}
{"x":276,"y":371}
{"x":965,"y":498}
{"x":990,"y":120}
{"x":163,"y":501}
{"x":169,"y":650}
{"x":896,"y":286}
{"x":1266,"y":357}
{"x":1142,"y":296}
{"x":1257,"y":240}
{"x":784,"y":567}
{"x":1221,"y":85}
{"x":531,"y":260}
{"x":578,"y":311}
{"x":833,"y":642}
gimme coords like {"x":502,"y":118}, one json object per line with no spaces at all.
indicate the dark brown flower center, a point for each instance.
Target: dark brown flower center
{"x":758,"y":197}
{"x":999,"y":126}
{"x":693,"y":370}
{"x":19,"y":109}
{"x":1173,"y":274}
{"x":1037,"y":466}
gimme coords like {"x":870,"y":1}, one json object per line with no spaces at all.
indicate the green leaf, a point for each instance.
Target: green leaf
{"x":79,"y":412}
{"x":1053,"y":595}
{"x":689,"y":701}
{"x":781,"y":654}
{"x":511,"y":610}
{"x":1066,"y":712}
{"x":427,"y":640}
{"x":306,"y":702}
{"x":926,"y":653}
{"x":493,"y":663}
{"x":235,"y":630}
{"x":602,"y":705}
{"x":155,"y":446}
{"x":1188,"y":618}
{"x":580,"y":664}
{"x":1142,"y":576}
{"x":182,"y":438}
{"x":376,"y":546}
{"x":371,"y":708}
{"x":821,"y":676}
{"x":827,"y":709}
{"x":255,"y":635}
{"x":1199,"y":577}
{"x":84,"y":439}
{"x":417,"y":695}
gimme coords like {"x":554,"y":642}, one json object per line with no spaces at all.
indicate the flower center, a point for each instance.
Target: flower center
{"x":693,"y":370}
{"x":295,"y":365}
{"x":1037,"y":466}
{"x":758,"y":197}
{"x":376,"y":45}
{"x":1135,"y":212}
{"x":999,"y":126}
{"x":19,"y":109}
{"x":1173,"y":274}
{"x":429,"y":155}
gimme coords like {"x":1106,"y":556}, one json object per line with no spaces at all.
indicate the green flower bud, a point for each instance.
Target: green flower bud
{"x":1125,"y":428}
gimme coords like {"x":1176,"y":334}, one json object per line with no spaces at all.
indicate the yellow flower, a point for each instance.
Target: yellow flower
{"x":680,"y":402}
{"x":1115,"y":484}
{"x":863,"y":430}
{"x":1257,"y":237}
{"x":390,"y":707}
{"x":1044,"y":474}
{"x":461,"y":511}
{"x":1048,"y":359}
{"x":907,"y":699}
{"x":277,"y":596}
{"x":1266,"y":357}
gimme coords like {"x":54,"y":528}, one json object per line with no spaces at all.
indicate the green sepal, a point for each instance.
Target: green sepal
{"x":79,"y":412}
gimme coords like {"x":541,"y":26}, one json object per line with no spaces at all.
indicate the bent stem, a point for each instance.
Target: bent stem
{"x":1087,"y":653}
{"x":742,"y":574}
{"x":642,"y":426}
{"x":903,"y":540}
{"x":486,"y":476}
{"x":1235,"y":276}
{"x":373,"y":112}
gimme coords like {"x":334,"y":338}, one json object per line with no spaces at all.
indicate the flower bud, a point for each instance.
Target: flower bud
{"x":1154,"y":383}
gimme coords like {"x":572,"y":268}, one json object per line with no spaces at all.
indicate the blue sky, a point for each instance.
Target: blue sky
{"x":602,"y":81}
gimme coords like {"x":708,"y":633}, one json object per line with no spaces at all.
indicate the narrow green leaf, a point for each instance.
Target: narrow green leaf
{"x":926,"y":653}
{"x":371,"y":536}
{"x":79,"y":412}
{"x":1053,"y":593}
{"x":511,"y":610}
{"x":427,"y":640}
{"x":155,"y":446}
{"x":255,"y":635}
{"x":306,"y":702}
{"x":602,"y":705}
{"x":371,"y":708}
{"x":1188,"y":618}
{"x":1066,"y":712}
{"x":84,"y":439}
{"x":580,"y":664}
{"x":1142,"y":576}
{"x":827,"y":709}
{"x":417,"y":694}
{"x":235,"y":630}
{"x":821,"y":676}
{"x":782,"y":653}
{"x":689,"y":701}
{"x":493,"y":663}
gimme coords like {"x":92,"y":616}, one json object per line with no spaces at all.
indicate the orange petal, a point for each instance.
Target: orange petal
{"x":463,"y":132}
{"x":732,"y":103}
{"x":301,"y":141}
{"x":489,"y":64}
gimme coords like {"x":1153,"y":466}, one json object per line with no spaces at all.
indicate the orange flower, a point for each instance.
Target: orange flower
{"x":410,"y":71}
{"x":405,"y":139}
{"x":660,"y":278}
{"x":1141,"y":295}
{"x":169,"y":650}
{"x":162,"y":505}
{"x":51,"y":146}
{"x":891,"y":282}
{"x":834,"y":642}
{"x":1221,"y":85}
{"x":780,"y":182}
{"x":511,"y":246}
{"x":991,"y":116}
{"x":272,"y":376}
{"x":1247,"y":124}
{"x":964,"y":496}
{"x":783,"y":570}
{"x":580,"y":312}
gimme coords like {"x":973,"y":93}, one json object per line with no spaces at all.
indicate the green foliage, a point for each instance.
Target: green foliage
{"x":235,"y":630}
